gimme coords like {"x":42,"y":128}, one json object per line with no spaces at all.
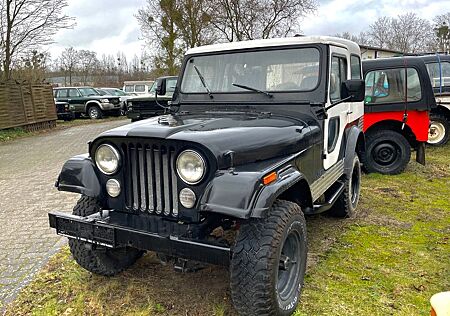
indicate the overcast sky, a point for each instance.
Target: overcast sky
{"x":109,"y":26}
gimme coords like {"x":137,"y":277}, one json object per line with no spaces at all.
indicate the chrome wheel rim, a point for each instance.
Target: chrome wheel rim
{"x":436,"y":133}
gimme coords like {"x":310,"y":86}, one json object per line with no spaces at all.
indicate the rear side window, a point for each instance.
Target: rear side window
{"x":355,"y":65}
{"x":129,"y":88}
{"x":139,"y":88}
{"x":62,"y":93}
{"x":389,"y":86}
{"x":73,"y":93}
{"x":435,"y":74}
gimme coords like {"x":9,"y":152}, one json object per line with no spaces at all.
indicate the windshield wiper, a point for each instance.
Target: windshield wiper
{"x":252,"y":89}
{"x":202,"y":79}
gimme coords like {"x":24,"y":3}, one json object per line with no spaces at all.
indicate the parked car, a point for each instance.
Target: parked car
{"x":123,"y":96}
{"x":398,"y":101}
{"x":139,"y":108}
{"x":63,"y":111}
{"x":258,"y":134}
{"x":438,"y":67}
{"x":88,"y":101}
{"x":138,"y":87}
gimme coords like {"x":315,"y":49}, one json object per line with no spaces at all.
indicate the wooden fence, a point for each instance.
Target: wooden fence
{"x":30,"y":106}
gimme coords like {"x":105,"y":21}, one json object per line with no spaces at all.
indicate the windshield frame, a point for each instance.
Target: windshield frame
{"x":318,"y":94}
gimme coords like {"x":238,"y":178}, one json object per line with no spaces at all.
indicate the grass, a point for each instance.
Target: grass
{"x":388,"y":260}
{"x":12,"y":134}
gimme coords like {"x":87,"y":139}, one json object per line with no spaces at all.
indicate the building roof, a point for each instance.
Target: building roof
{"x":366,"y":47}
{"x":286,"y":41}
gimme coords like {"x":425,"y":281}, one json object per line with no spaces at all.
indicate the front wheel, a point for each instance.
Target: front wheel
{"x":438,"y":134}
{"x":269,"y":261}
{"x":387,"y":152}
{"x":95,"y":112}
{"x":99,"y":259}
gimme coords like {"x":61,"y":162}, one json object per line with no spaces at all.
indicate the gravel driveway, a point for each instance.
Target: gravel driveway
{"x":28,"y":170}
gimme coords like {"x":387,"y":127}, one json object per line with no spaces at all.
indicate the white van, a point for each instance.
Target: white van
{"x":138,"y":87}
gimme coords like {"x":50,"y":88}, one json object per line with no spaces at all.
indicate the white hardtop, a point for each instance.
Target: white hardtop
{"x":147,"y":82}
{"x":352,"y":47}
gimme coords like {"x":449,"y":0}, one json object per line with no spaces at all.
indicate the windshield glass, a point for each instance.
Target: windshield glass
{"x":287,"y":70}
{"x":116,"y":92}
{"x":88,"y":92}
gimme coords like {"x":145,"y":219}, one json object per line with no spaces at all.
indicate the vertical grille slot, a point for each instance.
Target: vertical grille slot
{"x":151,"y":183}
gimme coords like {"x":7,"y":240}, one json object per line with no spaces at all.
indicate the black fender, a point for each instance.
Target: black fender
{"x":79,"y":175}
{"x":243,"y":195}
{"x":355,"y":142}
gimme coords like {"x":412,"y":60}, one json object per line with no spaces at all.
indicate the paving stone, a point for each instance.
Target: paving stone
{"x":28,"y":170}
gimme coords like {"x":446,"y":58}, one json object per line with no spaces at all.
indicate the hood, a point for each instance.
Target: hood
{"x":250,"y":136}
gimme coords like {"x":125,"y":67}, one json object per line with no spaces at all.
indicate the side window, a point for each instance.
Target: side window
{"x":129,"y":88}
{"x":435,"y":71}
{"x":392,"y":86}
{"x":139,"y":88}
{"x":73,"y":93}
{"x":170,"y":85}
{"x":62,"y":93}
{"x":337,"y":76}
{"x":355,"y":65}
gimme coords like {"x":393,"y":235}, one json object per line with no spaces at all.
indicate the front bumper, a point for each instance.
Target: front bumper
{"x":97,"y":230}
{"x":65,"y":115}
{"x":110,"y":106}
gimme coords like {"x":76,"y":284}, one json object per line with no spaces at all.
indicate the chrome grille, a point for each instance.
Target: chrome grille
{"x":151,"y":182}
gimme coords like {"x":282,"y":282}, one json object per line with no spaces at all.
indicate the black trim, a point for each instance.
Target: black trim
{"x":99,"y":231}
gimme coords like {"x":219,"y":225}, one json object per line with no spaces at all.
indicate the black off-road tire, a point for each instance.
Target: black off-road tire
{"x":99,"y":259}
{"x":260,"y":251}
{"x":94,"y":112}
{"x":387,"y":152}
{"x":441,"y":123}
{"x":347,"y":202}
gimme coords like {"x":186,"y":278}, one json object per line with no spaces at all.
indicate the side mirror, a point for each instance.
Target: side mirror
{"x":354,"y":88}
{"x":161,"y":87}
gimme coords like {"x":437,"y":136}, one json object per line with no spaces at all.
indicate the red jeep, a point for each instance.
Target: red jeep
{"x":399,"y":97}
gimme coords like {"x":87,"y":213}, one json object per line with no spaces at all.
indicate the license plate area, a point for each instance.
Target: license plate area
{"x":86,"y":231}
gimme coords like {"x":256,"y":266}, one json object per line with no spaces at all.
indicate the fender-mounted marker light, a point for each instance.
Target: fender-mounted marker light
{"x":271,"y":177}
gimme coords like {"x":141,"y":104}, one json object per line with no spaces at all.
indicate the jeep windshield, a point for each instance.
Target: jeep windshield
{"x":274,"y":70}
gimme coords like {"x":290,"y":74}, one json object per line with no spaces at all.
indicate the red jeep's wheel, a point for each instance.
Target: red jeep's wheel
{"x":387,"y":152}
{"x":438,"y":134}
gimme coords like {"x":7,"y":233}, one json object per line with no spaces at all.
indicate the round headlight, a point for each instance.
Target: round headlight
{"x":191,"y":166}
{"x":107,"y":159}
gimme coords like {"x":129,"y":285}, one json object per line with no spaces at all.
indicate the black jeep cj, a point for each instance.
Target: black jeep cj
{"x":259,"y":133}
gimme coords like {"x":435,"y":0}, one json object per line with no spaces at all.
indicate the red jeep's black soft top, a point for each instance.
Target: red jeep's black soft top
{"x":425,"y":100}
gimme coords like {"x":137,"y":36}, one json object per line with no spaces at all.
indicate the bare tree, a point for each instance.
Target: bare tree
{"x":442,"y":31}
{"x":27,"y":25}
{"x":157,"y":22}
{"x":407,"y":33}
{"x":238,"y":20}
{"x":87,"y":64}
{"x":68,"y":61}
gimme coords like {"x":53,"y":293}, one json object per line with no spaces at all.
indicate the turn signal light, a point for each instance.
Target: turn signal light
{"x":271,"y":177}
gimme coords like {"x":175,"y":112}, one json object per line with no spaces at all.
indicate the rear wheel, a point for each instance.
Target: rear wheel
{"x":438,"y":134}
{"x":347,"y":202}
{"x":388,"y":152}
{"x":269,"y":261}
{"x":99,"y":259}
{"x":95,"y":112}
